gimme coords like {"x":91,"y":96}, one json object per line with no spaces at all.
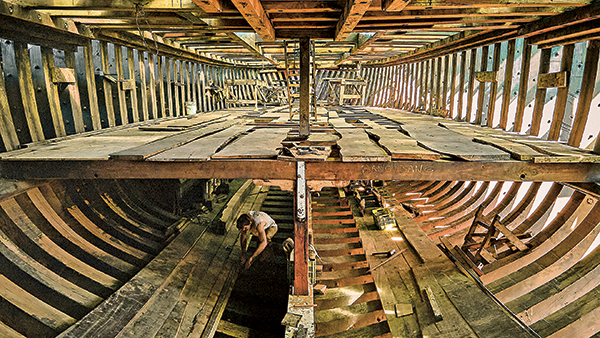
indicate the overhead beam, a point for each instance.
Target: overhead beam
{"x":257,"y":18}
{"x":353,"y":12}
{"x":415,"y":170}
{"x":394,"y":5}
{"x":248,"y":40}
{"x":210,"y":6}
{"x":363,"y":41}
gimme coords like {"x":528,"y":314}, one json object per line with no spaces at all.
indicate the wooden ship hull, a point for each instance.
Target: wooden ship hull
{"x":436,"y":165}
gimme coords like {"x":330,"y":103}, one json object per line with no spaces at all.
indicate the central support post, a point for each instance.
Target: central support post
{"x":301,"y":232}
{"x":304,"y":127}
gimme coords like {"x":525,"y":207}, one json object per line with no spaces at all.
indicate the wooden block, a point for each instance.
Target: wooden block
{"x":434,"y":306}
{"x":485,"y":76}
{"x":291,"y":319}
{"x":553,"y":80}
{"x":320,"y":289}
{"x":403,"y":310}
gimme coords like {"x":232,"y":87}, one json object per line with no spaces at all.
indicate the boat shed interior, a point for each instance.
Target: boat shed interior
{"x":432,"y":166}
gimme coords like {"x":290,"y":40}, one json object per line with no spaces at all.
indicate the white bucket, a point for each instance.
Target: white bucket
{"x":190,"y":108}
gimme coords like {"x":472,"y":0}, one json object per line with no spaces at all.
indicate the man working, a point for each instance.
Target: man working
{"x":259,"y":224}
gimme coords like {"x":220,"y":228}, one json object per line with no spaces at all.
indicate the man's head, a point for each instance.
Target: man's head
{"x":244,"y":222}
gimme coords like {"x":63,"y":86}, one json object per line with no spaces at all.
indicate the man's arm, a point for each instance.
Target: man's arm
{"x":243,"y":242}
{"x":262,"y":243}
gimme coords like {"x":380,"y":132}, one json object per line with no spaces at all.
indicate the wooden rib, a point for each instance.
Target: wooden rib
{"x":28,"y":92}
{"x":524,"y":81}
{"x":560,"y":259}
{"x":125,"y":269}
{"x":52,"y":91}
{"x":255,"y":15}
{"x":351,"y":15}
{"x":462,"y":206}
{"x":573,"y":212}
{"x":586,"y":93}
{"x":481,"y":90}
{"x":90,"y":79}
{"x":561,"y":95}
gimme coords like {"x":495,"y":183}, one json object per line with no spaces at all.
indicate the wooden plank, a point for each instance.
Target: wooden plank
{"x":260,"y":143}
{"x":144,"y":151}
{"x":400,"y":146}
{"x":461,"y":85}
{"x":560,"y":151}
{"x":448,"y":142}
{"x":471,"y":84}
{"x":356,"y":146}
{"x":304,"y":125}
{"x":517,"y":151}
{"x":184,"y":123}
{"x":63,"y":75}
{"x":98,"y":147}
{"x":28,"y":92}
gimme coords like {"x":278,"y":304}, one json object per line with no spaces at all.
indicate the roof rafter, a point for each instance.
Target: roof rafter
{"x":363,"y":42}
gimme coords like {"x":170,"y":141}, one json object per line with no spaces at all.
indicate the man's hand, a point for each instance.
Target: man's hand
{"x":248,"y":263}
{"x":243,"y":260}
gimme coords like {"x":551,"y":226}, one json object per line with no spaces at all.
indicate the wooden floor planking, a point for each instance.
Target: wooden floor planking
{"x":400,"y":146}
{"x":448,"y":142}
{"x":356,"y":146}
{"x":260,"y":143}
{"x":142,"y":152}
{"x":186,"y":122}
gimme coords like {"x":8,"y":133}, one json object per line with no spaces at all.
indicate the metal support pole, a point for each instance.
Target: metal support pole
{"x":301,"y":233}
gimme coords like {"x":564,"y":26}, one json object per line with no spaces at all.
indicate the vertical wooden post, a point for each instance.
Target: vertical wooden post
{"x":540,"y":94}
{"x":426,"y":86}
{"x":74,"y":97}
{"x":439,"y":79}
{"x":52,"y":91}
{"x":108,"y":96}
{"x":415,"y":85}
{"x":461,"y":84}
{"x":494,"y":86}
{"x":90,"y":78}
{"x":507,"y":91}
{"x":453,"y":84}
{"x":143,"y":85}
{"x":133,"y":92}
{"x":471,"y":83}
{"x":121,"y":93}
{"x":444,"y":102}
{"x":562,"y":94}
{"x":151,"y":64}
{"x":304,"y":126}
{"x":28,"y":91}
{"x":586,"y":95}
{"x":481,"y":95}
{"x":7,"y":127}
{"x":169,"y":85}
{"x":523,"y":82}
{"x":177,"y":88}
{"x":422,"y":81}
{"x":301,"y":286}
{"x":161,"y":85}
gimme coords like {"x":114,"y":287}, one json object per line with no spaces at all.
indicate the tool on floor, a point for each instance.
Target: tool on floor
{"x":387,"y":261}
{"x":386,"y":253}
